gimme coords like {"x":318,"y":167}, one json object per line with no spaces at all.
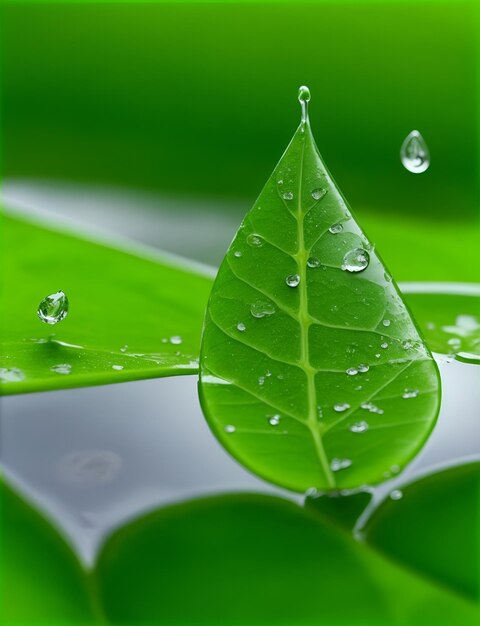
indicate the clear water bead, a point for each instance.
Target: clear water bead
{"x":356,"y":260}
{"x":241,"y":327}
{"x":313,"y":262}
{"x":261,"y":308}
{"x":229,"y":428}
{"x":341,"y":407}
{"x":176,"y":340}
{"x":386,"y":322}
{"x":274,"y":420}
{"x":61,"y":368}
{"x":339,"y":464}
{"x":359,"y":427}
{"x":363,"y":368}
{"x":396,"y":494}
{"x":11,"y":375}
{"x":414,"y":153}
{"x":254,"y":241}
{"x":410,"y":393}
{"x":335,"y":229}
{"x":293,"y":280}
{"x":384,"y":345}
{"x":352,"y":371}
{"x":237,"y":253}
{"x":53,"y":308}
{"x":117,"y":367}
{"x":287,"y":195}
{"x":317,"y":194}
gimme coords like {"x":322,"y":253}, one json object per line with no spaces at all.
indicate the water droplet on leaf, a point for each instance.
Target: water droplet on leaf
{"x":317,"y":194}
{"x":410,"y":393}
{"x":356,"y":260}
{"x":53,"y":308}
{"x":287,"y":195}
{"x":339,"y":464}
{"x":340,"y":407}
{"x":117,"y":367}
{"x":386,"y":322}
{"x":261,"y":308}
{"x":241,"y":327}
{"x":363,"y":368}
{"x":274,"y":420}
{"x":176,"y":340}
{"x":352,"y":371}
{"x":11,"y":375}
{"x":61,"y":368}
{"x":359,"y":427}
{"x":335,"y":229}
{"x":229,"y":428}
{"x":313,"y":262}
{"x":293,"y":280}
{"x":396,"y":494}
{"x":255,"y":241}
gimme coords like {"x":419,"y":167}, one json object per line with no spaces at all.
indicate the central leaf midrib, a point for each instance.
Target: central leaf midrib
{"x":305,"y":322}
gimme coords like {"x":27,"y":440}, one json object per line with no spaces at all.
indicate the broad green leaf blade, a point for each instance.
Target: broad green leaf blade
{"x":284,"y":367}
{"x":124,"y":311}
{"x":435,"y":528}
{"x":251,"y":559}
{"x":42,"y":582}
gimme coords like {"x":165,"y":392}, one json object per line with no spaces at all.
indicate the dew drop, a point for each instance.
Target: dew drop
{"x":396,"y":494}
{"x":241,"y":327}
{"x":176,"y":340}
{"x":304,"y":99}
{"x":11,"y":375}
{"x":287,"y":195}
{"x":313,"y":262}
{"x":341,"y":407}
{"x":410,"y":393}
{"x":317,"y":194}
{"x":352,"y":371}
{"x":384,"y":345}
{"x":356,"y":260}
{"x":117,"y":367}
{"x":229,"y":428}
{"x":359,"y":427}
{"x":293,"y":280}
{"x":339,"y":464}
{"x":261,"y":308}
{"x":414,"y":153}
{"x":363,"y":368}
{"x":61,"y":368}
{"x":53,"y":308}
{"x":335,"y":229}
{"x":124,"y":348}
{"x":261,"y":380}
{"x":274,"y":420}
{"x":386,"y":322}
{"x":237,"y":253}
{"x":254,"y":241}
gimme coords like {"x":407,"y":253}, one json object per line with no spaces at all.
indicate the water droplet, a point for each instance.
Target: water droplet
{"x":61,"y":368}
{"x":11,"y":375}
{"x":395,"y":469}
{"x":261,"y":308}
{"x":352,"y":371}
{"x":287,"y":195}
{"x":304,"y":99}
{"x":317,"y":194}
{"x":384,"y":345}
{"x":229,"y":428}
{"x":359,"y":427}
{"x":341,"y":407}
{"x":293,"y":280}
{"x":356,"y":260}
{"x":311,"y":492}
{"x":237,"y":253}
{"x":339,"y":464}
{"x":274,"y":420}
{"x":313,"y":262}
{"x":386,"y":322}
{"x":396,"y":494}
{"x":410,"y":393}
{"x":117,"y":367}
{"x":255,"y":241}
{"x":124,"y":348}
{"x":335,"y":229}
{"x":241,"y":327}
{"x":53,"y":308}
{"x":176,"y":340}
{"x":369,"y":406}
{"x":414,"y":153}
{"x":363,"y":367}
{"x":359,"y":388}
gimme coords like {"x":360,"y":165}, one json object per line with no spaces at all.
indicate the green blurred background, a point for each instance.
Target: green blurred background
{"x":199,"y":100}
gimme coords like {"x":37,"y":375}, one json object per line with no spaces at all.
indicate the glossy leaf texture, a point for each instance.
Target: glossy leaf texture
{"x":132,"y":315}
{"x":434,"y":528}
{"x":252,"y":559}
{"x":308,"y":350}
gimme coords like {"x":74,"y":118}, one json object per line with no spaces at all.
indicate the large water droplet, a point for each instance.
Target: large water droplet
{"x":318,"y":193}
{"x":335,"y":229}
{"x":352,"y":371}
{"x":11,"y":375}
{"x":356,"y":260}
{"x":304,"y":99}
{"x":363,"y":368}
{"x":359,"y":427}
{"x":293,"y":280}
{"x":53,"y":308}
{"x":261,"y":308}
{"x":340,"y":407}
{"x":414,"y":153}
{"x":255,"y":241}
{"x":339,"y":464}
{"x":313,"y":262}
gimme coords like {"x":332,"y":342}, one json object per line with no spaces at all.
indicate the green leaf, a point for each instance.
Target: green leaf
{"x":253,"y":559}
{"x":434,"y":528}
{"x":450,"y":322}
{"x":117,"y":299}
{"x":276,"y":359}
{"x":42,"y":582}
